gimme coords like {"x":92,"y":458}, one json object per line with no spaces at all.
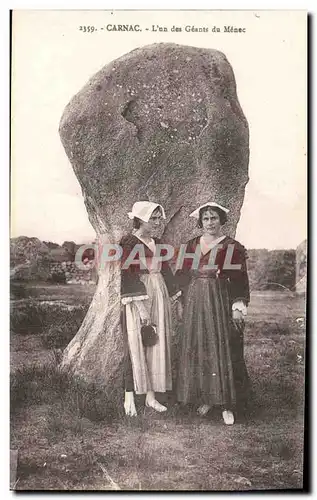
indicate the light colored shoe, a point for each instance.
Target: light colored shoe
{"x":228,"y":417}
{"x":203,"y":410}
{"x":153,"y":403}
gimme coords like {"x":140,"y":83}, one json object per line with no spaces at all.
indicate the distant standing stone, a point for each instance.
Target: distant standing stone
{"x":13,"y":468}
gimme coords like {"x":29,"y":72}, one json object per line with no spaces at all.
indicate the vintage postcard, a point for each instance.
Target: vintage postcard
{"x":158,"y":250}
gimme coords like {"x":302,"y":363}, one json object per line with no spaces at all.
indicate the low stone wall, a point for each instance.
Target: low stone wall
{"x":72,"y":274}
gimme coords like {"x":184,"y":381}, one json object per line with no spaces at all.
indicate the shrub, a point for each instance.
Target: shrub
{"x":17,"y":290}
{"x":26,"y":317}
{"x":50,"y":384}
{"x":36,"y":383}
{"x":37,"y":317}
{"x":269,"y":270}
{"x":57,"y":278}
{"x":61,"y":333}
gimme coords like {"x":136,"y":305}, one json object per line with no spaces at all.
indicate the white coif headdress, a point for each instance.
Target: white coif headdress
{"x":144,"y":209}
{"x":195,"y":213}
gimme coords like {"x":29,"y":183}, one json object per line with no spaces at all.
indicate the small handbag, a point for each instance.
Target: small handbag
{"x":149,"y":335}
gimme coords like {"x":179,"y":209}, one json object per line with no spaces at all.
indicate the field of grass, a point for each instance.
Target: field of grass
{"x":71,"y":436}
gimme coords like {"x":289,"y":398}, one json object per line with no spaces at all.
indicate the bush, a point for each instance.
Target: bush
{"x":18,"y":290}
{"x":270,"y":270}
{"x":59,"y":335}
{"x":35,"y":384}
{"x":57,"y":278}
{"x":50,"y":384}
{"x":37,"y":317}
{"x":26,"y":318}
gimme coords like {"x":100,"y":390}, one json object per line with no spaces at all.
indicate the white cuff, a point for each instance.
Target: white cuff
{"x":127,"y":300}
{"x":176,"y":295}
{"x":240,"y":306}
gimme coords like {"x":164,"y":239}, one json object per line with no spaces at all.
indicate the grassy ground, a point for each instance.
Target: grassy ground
{"x":70,"y":436}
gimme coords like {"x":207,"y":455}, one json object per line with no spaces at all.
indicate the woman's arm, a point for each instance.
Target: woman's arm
{"x":170,"y":281}
{"x":239,"y":280}
{"x":239,"y":287}
{"x":182,"y":274}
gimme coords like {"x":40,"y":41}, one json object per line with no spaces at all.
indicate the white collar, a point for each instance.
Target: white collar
{"x":150,"y":244}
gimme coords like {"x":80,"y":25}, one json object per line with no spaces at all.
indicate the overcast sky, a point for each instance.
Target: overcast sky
{"x":53,"y":59}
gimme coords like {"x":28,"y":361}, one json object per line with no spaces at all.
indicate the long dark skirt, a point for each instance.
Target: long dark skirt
{"x":211,"y":365}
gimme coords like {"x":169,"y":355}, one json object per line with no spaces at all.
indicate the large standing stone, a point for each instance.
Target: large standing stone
{"x":162,"y":123}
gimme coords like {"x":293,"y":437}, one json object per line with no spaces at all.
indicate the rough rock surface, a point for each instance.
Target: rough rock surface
{"x":24,"y":249}
{"x":29,"y":259}
{"x":163,"y":123}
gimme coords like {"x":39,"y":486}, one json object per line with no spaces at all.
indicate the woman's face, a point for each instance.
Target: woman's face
{"x":155,"y":225}
{"x":211,"y":222}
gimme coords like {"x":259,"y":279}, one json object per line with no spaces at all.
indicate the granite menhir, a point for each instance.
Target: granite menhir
{"x":161,"y":123}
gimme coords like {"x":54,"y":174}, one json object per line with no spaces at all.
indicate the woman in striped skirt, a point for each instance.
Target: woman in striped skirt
{"x":215,"y":287}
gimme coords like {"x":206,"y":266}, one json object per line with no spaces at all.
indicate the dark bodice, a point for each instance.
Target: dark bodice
{"x":211,"y":266}
{"x":131,"y":285}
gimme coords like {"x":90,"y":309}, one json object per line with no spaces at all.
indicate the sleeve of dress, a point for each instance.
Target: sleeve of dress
{"x":132,"y":288}
{"x":239,"y":280}
{"x":182,"y":275}
{"x":170,"y":281}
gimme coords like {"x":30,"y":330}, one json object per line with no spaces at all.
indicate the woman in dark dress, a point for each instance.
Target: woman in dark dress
{"x":212,"y":370}
{"x":145,"y":295}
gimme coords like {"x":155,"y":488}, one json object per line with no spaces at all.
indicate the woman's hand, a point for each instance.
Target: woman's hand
{"x":238,"y":319}
{"x":145,"y":320}
{"x":144,"y":316}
